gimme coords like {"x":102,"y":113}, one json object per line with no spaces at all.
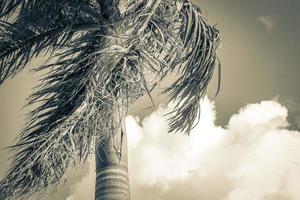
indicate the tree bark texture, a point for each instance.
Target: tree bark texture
{"x":112,"y":169}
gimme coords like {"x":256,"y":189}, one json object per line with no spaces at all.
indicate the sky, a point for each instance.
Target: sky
{"x":247,"y":144}
{"x":256,"y":157}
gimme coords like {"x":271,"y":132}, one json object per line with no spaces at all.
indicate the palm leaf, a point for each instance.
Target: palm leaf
{"x":39,"y":27}
{"x":201,"y":42}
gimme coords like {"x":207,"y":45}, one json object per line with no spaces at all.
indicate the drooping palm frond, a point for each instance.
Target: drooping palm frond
{"x":179,"y":38}
{"x":97,"y":71}
{"x":45,"y":150}
{"x":40,"y":26}
{"x":201,"y":41}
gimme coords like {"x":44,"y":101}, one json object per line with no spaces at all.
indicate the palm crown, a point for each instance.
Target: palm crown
{"x":98,"y":64}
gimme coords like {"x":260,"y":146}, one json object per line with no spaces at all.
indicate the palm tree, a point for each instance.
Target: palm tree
{"x":102,"y":55}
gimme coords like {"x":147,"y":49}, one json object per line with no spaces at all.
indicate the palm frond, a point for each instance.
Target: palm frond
{"x":201,"y":41}
{"x":54,"y":135}
{"x":19,"y":47}
{"x":39,"y":27}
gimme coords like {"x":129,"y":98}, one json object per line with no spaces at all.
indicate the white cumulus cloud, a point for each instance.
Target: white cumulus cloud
{"x":255,"y":157}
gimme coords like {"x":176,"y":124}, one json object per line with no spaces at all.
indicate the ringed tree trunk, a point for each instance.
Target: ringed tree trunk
{"x":112,"y":181}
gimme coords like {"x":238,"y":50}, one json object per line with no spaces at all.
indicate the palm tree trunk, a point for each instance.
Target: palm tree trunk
{"x":112,"y":182}
{"x":111,"y":169}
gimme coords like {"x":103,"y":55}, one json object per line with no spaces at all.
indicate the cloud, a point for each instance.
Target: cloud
{"x":269,"y":21}
{"x":84,"y":189}
{"x":256,"y":157}
{"x":294,"y":111}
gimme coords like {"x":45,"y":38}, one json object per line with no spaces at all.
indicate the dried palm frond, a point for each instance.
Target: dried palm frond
{"x":99,"y":66}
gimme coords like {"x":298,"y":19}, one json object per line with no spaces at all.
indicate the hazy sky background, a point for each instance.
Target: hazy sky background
{"x":260,"y":61}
